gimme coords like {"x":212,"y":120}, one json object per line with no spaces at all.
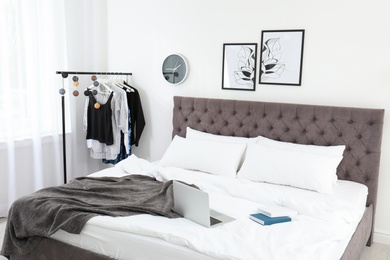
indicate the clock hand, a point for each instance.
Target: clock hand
{"x":177,"y":67}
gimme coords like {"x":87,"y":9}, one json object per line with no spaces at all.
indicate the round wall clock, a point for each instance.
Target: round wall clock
{"x":174,"y":69}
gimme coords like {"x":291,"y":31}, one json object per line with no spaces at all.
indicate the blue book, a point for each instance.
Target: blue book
{"x":265,"y":220}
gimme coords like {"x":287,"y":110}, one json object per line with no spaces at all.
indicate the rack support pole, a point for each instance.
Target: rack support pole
{"x":63,"y":137}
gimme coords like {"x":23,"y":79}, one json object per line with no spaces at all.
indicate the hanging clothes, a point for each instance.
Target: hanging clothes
{"x":136,"y":123}
{"x":99,"y":118}
{"x":137,"y":115}
{"x":127,"y":121}
{"x":123,"y":153}
{"x":119,"y":122}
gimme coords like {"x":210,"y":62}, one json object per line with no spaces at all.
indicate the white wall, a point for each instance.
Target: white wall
{"x":346,"y":58}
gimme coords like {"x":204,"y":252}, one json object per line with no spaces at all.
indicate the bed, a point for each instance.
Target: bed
{"x":359,"y":130}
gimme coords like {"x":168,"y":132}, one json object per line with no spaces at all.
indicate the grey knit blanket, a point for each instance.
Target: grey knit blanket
{"x":70,"y":206}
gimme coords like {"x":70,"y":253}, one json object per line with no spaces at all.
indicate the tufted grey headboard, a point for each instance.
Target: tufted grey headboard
{"x":359,"y":129}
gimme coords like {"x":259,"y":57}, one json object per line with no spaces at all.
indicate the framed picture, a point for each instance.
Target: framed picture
{"x":239,"y":66}
{"x":281,"y":57}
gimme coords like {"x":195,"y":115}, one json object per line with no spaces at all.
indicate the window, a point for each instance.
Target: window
{"x":32,"y":48}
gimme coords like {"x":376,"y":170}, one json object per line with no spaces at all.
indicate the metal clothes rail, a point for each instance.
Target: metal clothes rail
{"x":64,"y":75}
{"x":91,"y":73}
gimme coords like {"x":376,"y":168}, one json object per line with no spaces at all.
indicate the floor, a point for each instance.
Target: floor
{"x":2,"y":228}
{"x":375,"y":252}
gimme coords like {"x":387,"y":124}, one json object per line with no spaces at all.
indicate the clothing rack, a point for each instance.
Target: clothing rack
{"x":91,"y":73}
{"x":65,"y":74}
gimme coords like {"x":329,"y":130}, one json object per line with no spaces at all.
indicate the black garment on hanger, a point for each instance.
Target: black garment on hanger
{"x":137,"y":115}
{"x":100,"y":121}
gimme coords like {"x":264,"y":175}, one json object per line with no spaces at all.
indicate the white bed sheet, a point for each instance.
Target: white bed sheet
{"x":321,"y":230}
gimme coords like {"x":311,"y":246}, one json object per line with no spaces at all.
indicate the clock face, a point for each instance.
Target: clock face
{"x":174,"y":69}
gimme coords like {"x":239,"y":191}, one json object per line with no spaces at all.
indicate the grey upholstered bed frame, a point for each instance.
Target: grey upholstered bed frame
{"x":358,"y":128}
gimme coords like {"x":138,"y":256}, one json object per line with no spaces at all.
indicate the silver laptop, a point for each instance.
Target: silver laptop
{"x":193,"y":204}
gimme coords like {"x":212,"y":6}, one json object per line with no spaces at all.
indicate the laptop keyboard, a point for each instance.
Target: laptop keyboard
{"x":214,"y":221}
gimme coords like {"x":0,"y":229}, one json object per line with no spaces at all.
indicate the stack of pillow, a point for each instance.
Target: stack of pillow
{"x":257,"y":159}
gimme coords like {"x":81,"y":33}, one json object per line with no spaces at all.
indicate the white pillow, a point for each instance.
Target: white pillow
{"x":133,"y":164}
{"x":218,"y":158}
{"x":199,"y":135}
{"x":288,"y":167}
{"x":336,"y":150}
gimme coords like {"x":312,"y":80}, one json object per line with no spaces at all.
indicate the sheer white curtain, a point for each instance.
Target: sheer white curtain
{"x":32,"y":48}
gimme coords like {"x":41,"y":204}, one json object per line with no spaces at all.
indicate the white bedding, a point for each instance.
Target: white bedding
{"x":321,"y":230}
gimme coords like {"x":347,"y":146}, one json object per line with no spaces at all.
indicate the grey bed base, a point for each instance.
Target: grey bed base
{"x":360,"y":129}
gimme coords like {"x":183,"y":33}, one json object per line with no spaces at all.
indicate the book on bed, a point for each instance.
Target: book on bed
{"x":276,"y":211}
{"x":265,"y":220}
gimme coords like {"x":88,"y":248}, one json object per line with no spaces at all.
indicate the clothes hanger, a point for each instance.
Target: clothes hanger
{"x":127,"y":88}
{"x":96,"y":87}
{"x":105,"y":84}
{"x":128,"y":85}
{"x":120,"y":83}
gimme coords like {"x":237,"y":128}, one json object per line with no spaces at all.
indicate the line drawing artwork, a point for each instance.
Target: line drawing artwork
{"x":271,"y":67}
{"x":281,"y":57}
{"x":239,"y":66}
{"x":245,"y":73}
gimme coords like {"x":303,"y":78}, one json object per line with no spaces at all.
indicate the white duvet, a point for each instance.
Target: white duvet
{"x":321,"y":230}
